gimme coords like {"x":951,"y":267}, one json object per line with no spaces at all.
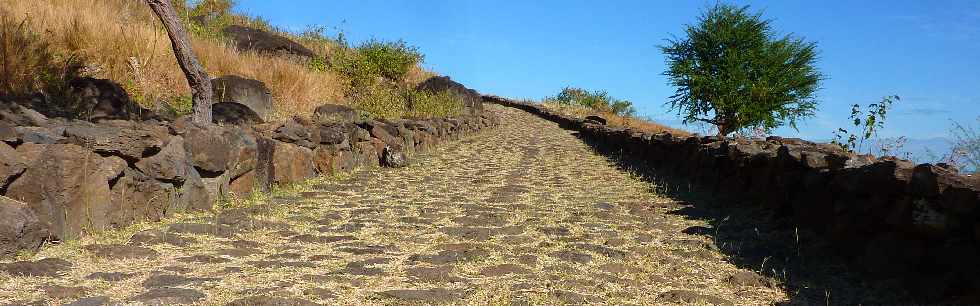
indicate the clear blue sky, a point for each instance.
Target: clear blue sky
{"x":928,"y":52}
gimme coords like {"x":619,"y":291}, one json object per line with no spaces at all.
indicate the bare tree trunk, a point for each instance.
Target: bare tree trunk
{"x":196,"y":76}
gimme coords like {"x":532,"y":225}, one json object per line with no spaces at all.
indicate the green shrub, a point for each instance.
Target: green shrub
{"x":373,"y":59}
{"x":598,"y":100}
{"x":379,"y":100}
{"x":391,"y":60}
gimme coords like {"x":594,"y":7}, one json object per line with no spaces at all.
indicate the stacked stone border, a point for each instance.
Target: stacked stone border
{"x":60,"y":178}
{"x":887,"y":217}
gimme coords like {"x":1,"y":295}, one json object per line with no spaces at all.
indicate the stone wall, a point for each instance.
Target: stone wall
{"x":61,"y":178}
{"x":888,"y":217}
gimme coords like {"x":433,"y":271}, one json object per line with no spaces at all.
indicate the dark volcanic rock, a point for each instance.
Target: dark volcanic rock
{"x":292,"y":163}
{"x":171,"y":164}
{"x":248,"y":92}
{"x":121,"y":251}
{"x":472,"y":100}
{"x":100,"y":99}
{"x":136,"y":197}
{"x":270,"y":301}
{"x":690,"y":297}
{"x":62,"y":292}
{"x":129,"y":140}
{"x":333,"y":114}
{"x":233,"y":113}
{"x":596,"y":119}
{"x":37,"y":134}
{"x":90,"y":301}
{"x":217,"y":150}
{"x":169,"y":280}
{"x":68,"y":188}
{"x":169,"y":296}
{"x":435,"y":274}
{"x":202,"y":229}
{"x":393,"y":158}
{"x":12,"y":164}
{"x":261,"y":41}
{"x":434,"y":295}
{"x":20,"y":229}
{"x":48,"y":267}
{"x":110,"y":276}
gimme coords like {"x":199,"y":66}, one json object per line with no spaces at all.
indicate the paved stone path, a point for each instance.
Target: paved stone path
{"x":524,"y":214}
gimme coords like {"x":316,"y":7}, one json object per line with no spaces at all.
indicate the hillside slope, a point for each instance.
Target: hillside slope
{"x":121,"y":40}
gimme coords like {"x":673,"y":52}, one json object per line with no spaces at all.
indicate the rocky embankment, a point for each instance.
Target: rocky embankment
{"x":117,"y":164}
{"x":888,"y":217}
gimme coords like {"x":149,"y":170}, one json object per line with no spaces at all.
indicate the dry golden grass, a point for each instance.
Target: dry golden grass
{"x":615,"y":120}
{"x":122,"y":41}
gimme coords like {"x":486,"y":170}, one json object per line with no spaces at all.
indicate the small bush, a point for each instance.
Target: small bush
{"x":373,"y":59}
{"x":866,"y":125}
{"x":598,"y":100}
{"x":379,"y":100}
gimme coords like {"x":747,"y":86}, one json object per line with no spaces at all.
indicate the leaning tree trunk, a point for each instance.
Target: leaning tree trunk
{"x":197,"y":78}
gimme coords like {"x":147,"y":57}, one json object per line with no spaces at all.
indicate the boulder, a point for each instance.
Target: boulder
{"x":332,"y":160}
{"x":138,"y":197}
{"x":129,"y":140}
{"x":291,"y":163}
{"x":472,"y":101}
{"x":68,"y":188}
{"x":295,"y":133}
{"x":333,"y":114}
{"x":171,"y":164}
{"x":18,"y":115}
{"x":261,"y":41}
{"x":595,"y":120}
{"x":99,"y":99}
{"x":8,"y":133}
{"x":382,"y":131}
{"x":20,"y":228}
{"x":215,"y":150}
{"x":248,"y":92}
{"x":30,"y":152}
{"x":243,"y":185}
{"x":12,"y":164}
{"x":194,"y":195}
{"x":37,"y":134}
{"x":333,"y":134}
{"x":366,"y":154}
{"x":393,"y":158}
{"x":232,"y":113}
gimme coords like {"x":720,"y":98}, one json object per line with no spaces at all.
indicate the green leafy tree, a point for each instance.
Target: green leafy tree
{"x":731,"y":70}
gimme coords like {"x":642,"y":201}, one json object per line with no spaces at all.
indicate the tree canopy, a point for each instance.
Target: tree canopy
{"x":733,"y":71}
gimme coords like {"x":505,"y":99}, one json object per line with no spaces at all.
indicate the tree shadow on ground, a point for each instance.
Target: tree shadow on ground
{"x":758,"y":239}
